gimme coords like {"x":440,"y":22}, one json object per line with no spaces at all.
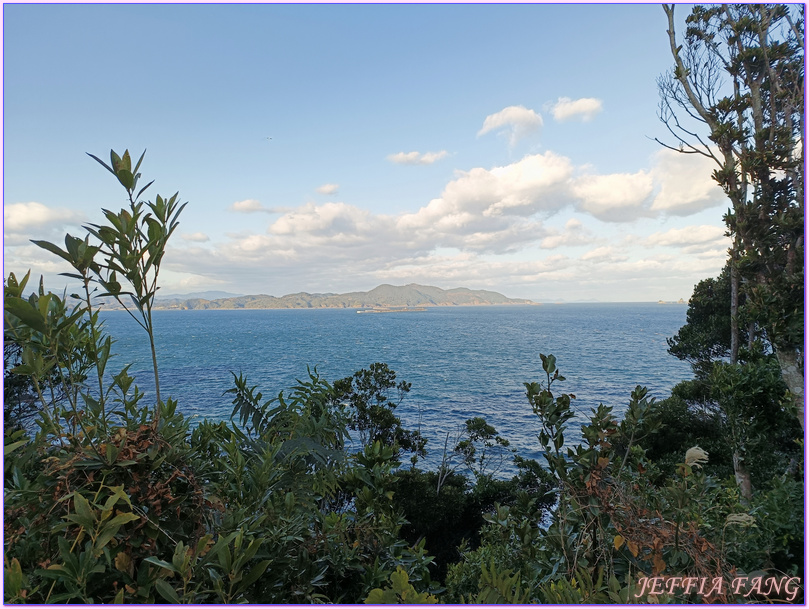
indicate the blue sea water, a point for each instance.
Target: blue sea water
{"x":462,"y":362}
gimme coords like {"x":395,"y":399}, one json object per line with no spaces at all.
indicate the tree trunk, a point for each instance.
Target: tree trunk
{"x":792,"y":373}
{"x":734,"y":310}
{"x":742,"y":478}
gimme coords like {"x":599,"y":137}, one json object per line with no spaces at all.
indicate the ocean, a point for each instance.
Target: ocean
{"x":462,"y":362}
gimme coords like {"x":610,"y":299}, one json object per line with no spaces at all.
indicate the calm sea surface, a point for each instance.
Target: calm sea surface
{"x":462,"y":361}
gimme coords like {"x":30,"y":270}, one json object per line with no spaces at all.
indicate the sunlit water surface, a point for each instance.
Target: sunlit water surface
{"x":462,"y":361}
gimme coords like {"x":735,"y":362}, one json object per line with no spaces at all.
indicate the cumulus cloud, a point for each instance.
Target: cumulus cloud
{"x":329,"y":219}
{"x":692,"y":238}
{"x":573,"y":234}
{"x":328,"y":189}
{"x":583,"y":109}
{"x":20,"y":217}
{"x":686,"y":185}
{"x":617,"y":197}
{"x":417,"y":158}
{"x":471,"y":270}
{"x":197,"y":237}
{"x":250,"y":206}
{"x":492,"y":201}
{"x":605,"y":254}
{"x":519,"y":121}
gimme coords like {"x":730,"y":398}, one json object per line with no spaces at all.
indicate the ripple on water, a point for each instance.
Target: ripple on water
{"x":461,"y":361}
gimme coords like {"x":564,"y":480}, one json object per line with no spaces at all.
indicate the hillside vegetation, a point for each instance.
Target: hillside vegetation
{"x":385,"y":295}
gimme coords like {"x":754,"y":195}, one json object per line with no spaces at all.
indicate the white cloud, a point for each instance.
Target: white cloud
{"x":519,"y":121}
{"x":499,"y":224}
{"x":20,"y":217}
{"x":585,"y":108}
{"x":617,"y":197}
{"x":197,"y":237}
{"x":470,"y":270}
{"x":692,"y":238}
{"x":492,"y":201}
{"x":417,"y":158}
{"x":328,"y":189}
{"x":573,"y":234}
{"x":249,"y":206}
{"x":605,"y":254}
{"x":686,"y":185}
{"x":330,"y":220}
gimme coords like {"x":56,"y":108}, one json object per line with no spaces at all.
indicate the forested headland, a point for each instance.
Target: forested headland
{"x":314,"y":494}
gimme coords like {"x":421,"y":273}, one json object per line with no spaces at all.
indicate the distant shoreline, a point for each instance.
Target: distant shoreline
{"x":425,"y":307}
{"x":353,"y":308}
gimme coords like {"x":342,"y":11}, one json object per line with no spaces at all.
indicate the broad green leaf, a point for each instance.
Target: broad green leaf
{"x":126,"y":161}
{"x":377,"y":596}
{"x":83,"y":515}
{"x":115,"y":161}
{"x":123,"y":519}
{"x":166,"y":591}
{"x":256,"y":572}
{"x":125,"y":178}
{"x":26,"y":313}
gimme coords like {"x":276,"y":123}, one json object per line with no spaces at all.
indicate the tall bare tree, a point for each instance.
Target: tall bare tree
{"x":739,"y":71}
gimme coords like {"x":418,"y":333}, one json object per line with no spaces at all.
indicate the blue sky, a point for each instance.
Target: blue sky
{"x":500,"y":147}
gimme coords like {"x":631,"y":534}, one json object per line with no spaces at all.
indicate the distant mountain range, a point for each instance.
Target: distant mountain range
{"x":209,"y":295}
{"x":383,"y":296}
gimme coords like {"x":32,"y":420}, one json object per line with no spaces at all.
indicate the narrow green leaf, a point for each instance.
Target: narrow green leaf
{"x":107,"y":167}
{"x":47,"y":245}
{"x":142,"y":190}
{"x":159,"y":563}
{"x":140,"y":160}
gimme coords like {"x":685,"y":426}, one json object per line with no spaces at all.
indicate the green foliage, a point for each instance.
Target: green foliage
{"x":117,"y":500}
{"x":774,"y":537}
{"x":498,"y":587}
{"x":685,"y":422}
{"x":368,"y":396}
{"x":400,"y":592}
{"x":621,"y":516}
{"x":705,"y":337}
{"x":482,"y":450}
{"x":20,"y":403}
{"x":453,"y":515}
{"x":752,"y":398}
